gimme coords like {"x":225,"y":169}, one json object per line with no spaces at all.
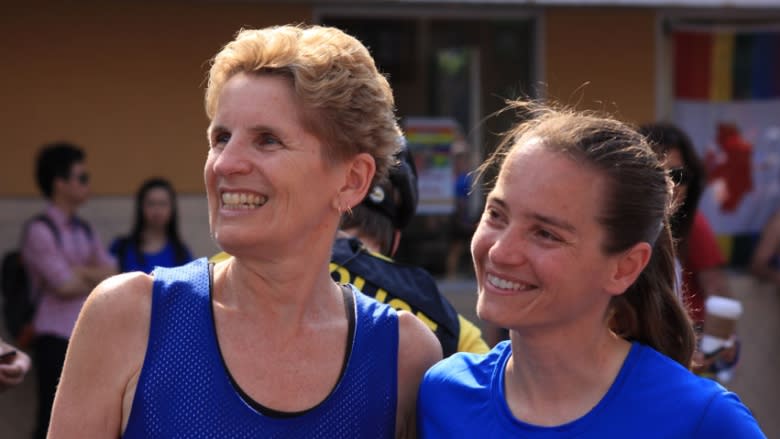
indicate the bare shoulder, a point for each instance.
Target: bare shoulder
{"x":120,"y":299}
{"x":118,"y":312}
{"x":104,"y":358}
{"x":416,"y":343}
{"x":418,"y":349}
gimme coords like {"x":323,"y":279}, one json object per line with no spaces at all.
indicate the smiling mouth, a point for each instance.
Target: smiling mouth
{"x":240,"y":200}
{"x":504,"y":284}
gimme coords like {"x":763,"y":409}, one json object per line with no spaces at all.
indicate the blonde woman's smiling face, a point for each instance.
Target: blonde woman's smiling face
{"x":266,"y":179}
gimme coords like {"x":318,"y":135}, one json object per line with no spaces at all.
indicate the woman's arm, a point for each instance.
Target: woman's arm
{"x":104,"y":358}
{"x":768,"y":244}
{"x":418,"y":349}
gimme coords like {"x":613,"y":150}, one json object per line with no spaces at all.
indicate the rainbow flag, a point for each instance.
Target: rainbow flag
{"x":726,"y":66}
{"x":729,"y":81}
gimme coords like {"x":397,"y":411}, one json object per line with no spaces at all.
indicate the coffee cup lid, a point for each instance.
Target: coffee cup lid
{"x":723,"y":306}
{"x":711,"y":344}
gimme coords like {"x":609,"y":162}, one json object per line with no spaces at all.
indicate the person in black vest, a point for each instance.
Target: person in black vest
{"x":368,"y":239}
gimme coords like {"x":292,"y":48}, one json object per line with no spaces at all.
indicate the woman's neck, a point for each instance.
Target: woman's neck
{"x":286,"y":300}
{"x":551,"y":386}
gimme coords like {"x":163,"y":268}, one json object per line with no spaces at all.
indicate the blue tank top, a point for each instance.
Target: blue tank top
{"x":186,"y":391}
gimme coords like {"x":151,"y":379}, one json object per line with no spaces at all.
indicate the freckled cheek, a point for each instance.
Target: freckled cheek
{"x":480,"y":244}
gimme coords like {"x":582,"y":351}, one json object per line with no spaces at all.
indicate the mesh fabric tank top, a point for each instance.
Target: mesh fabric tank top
{"x":186,"y":391}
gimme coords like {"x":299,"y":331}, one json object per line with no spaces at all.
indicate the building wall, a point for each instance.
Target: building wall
{"x":125,"y":80}
{"x":602,"y":58}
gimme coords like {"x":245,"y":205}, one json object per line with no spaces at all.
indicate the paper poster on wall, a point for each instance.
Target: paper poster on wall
{"x":430,"y":141}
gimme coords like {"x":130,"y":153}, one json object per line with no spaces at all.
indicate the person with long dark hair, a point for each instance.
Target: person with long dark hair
{"x":701,"y":263}
{"x":697,"y":248}
{"x":154,"y":240}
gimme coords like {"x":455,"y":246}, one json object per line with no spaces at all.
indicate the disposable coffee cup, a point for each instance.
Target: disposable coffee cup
{"x":711,"y":344}
{"x":720,"y":320}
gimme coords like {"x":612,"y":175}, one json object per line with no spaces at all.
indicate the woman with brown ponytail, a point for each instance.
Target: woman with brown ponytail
{"x":573,"y":254}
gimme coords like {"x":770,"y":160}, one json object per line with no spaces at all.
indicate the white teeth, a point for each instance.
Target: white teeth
{"x":503,"y":283}
{"x":243,"y":200}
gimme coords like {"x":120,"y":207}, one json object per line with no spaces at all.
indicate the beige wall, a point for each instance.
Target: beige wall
{"x":124,"y":79}
{"x":612,"y":49}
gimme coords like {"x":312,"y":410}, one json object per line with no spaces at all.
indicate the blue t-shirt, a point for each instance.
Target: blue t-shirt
{"x":128,"y":259}
{"x":652,"y":397}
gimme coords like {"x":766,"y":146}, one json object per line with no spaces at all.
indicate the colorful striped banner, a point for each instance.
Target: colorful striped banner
{"x":726,"y":66}
{"x":727,"y":98}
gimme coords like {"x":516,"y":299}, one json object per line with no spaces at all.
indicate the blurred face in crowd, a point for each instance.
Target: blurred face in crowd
{"x":75,"y":188}
{"x":158,"y":208}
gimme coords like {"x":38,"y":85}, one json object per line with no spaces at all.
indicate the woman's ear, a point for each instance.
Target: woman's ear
{"x":628,"y":267}
{"x":359,"y":173}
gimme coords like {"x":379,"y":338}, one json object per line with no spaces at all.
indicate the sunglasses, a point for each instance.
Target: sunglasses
{"x":83,"y":178}
{"x":679,"y":176}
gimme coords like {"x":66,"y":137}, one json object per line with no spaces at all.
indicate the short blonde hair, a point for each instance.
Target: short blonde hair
{"x":345,"y":100}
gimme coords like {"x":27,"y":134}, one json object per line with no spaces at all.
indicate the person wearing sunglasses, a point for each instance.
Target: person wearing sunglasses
{"x":64,"y":260}
{"x":700,"y":257}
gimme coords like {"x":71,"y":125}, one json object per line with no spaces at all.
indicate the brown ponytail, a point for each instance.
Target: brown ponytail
{"x":650,"y":311}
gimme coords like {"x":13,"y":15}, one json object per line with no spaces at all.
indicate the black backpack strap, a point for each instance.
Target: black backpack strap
{"x":122,"y":247}
{"x":45,"y":219}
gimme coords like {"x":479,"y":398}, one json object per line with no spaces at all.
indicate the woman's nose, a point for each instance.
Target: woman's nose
{"x":508,"y":249}
{"x":232,"y":158}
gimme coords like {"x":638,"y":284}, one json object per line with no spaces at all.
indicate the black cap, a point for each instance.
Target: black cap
{"x":396,"y":197}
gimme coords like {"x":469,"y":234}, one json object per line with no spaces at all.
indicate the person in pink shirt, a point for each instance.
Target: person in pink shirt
{"x":65,"y":262}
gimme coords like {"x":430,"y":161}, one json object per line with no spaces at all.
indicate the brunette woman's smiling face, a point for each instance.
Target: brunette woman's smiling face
{"x":538,"y":247}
